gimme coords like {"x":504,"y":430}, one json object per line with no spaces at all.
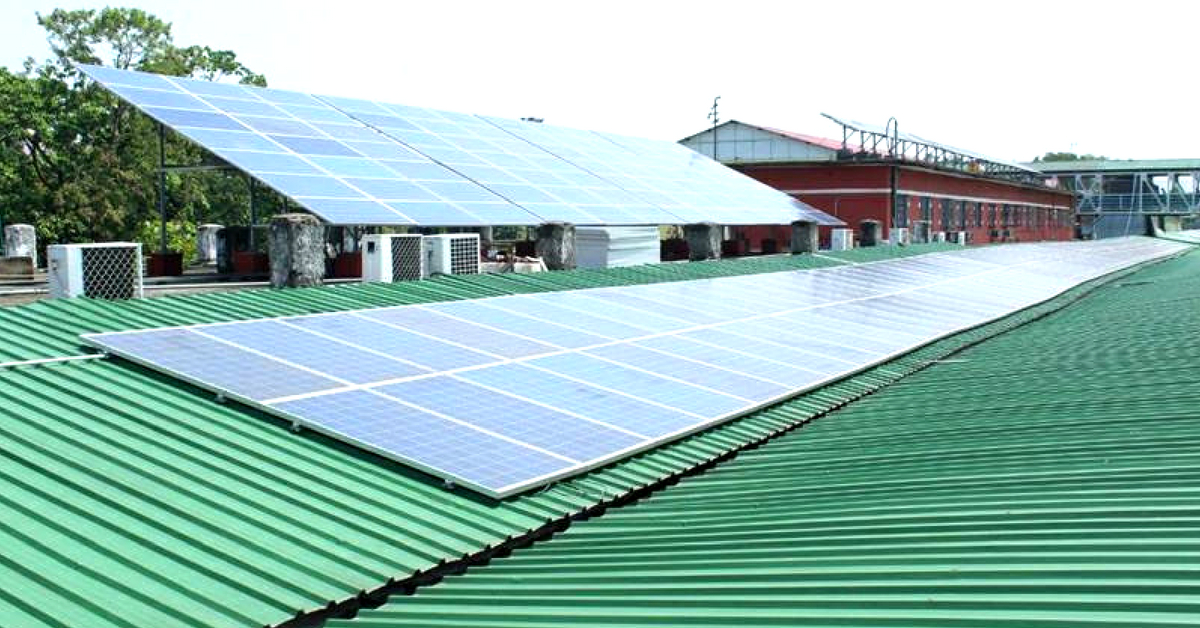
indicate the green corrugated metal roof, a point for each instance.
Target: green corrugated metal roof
{"x":51,"y":328}
{"x":1047,"y":477}
{"x":131,"y":499}
{"x":1116,"y":165}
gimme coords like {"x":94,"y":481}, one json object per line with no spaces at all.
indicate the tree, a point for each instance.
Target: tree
{"x":80,"y":164}
{"x":1069,"y":157}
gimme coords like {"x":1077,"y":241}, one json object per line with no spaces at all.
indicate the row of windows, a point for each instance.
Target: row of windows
{"x":958,"y":215}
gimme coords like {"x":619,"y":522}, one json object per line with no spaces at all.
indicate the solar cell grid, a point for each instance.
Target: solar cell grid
{"x":507,"y":393}
{"x":365,"y":172}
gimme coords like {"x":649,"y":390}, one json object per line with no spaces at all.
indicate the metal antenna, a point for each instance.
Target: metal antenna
{"x":894,"y":136}
{"x":716,"y":119}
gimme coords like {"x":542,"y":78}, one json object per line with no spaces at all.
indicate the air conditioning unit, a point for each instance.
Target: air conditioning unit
{"x":108,"y":270}
{"x":939,"y":236}
{"x":900,"y":236}
{"x":392,"y":257}
{"x":959,"y":237}
{"x":452,"y":254}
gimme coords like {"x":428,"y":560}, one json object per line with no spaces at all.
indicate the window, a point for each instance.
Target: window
{"x":926,"y":209}
{"x":900,"y":211}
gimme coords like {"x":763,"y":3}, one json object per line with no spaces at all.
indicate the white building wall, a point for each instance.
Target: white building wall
{"x":738,"y":142}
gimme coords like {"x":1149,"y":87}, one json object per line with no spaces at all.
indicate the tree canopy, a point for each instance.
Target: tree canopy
{"x":1069,"y":157}
{"x":79,"y":164}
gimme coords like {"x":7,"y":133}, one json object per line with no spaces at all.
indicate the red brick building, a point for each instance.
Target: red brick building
{"x":989,"y":202}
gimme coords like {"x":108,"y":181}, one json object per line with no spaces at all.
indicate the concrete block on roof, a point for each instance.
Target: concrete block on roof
{"x":206,"y":244}
{"x":16,"y":267}
{"x":704,"y":241}
{"x":556,"y":245}
{"x":20,"y":241}
{"x":296,"y":244}
{"x":920,"y":232}
{"x":804,"y":237}
{"x":870,"y":232}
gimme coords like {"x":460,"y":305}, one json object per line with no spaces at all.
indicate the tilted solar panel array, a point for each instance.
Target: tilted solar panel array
{"x":507,"y":393}
{"x":332,"y":164}
{"x":361,"y":162}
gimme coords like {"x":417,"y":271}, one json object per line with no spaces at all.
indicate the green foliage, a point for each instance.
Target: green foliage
{"x":1069,"y":157}
{"x":181,"y":237}
{"x":82,"y":166}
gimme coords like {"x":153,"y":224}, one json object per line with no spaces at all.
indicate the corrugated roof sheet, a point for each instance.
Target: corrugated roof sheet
{"x":131,"y":499}
{"x":1115,"y":165}
{"x":1046,"y":477}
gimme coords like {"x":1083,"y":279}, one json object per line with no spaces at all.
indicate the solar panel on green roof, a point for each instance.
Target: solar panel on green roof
{"x":480,"y":394}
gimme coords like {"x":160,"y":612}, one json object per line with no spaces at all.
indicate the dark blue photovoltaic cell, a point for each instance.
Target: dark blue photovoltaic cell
{"x":731,"y":357}
{"x":713,"y":378}
{"x":424,"y":439}
{"x":645,"y":319}
{"x":778,"y":349}
{"x":433,"y":324}
{"x":537,"y":425}
{"x":346,"y":211}
{"x":428,"y":352}
{"x":218,"y":364}
{"x":640,"y":384}
{"x":536,"y":329}
{"x":610,"y":407}
{"x":548,"y":310}
{"x":279,"y":340}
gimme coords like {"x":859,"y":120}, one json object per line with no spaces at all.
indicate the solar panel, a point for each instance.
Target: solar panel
{"x":330,"y":163}
{"x":682,"y":181}
{"x":354,"y":161}
{"x":508,"y":393}
{"x":515,"y":169}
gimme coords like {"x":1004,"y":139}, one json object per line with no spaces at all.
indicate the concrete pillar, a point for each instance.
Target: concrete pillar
{"x":21,"y":241}
{"x":804,"y":236}
{"x":870,"y":232}
{"x":296,"y":243}
{"x":841,"y":240}
{"x":206,"y":244}
{"x":920,"y":232}
{"x":704,"y":241}
{"x":556,"y":245}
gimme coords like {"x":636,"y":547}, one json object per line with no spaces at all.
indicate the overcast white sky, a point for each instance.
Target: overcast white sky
{"x":1010,"y":79}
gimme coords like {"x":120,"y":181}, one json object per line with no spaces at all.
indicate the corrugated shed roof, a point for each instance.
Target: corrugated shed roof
{"x":1115,"y":165}
{"x":51,"y":328}
{"x":823,"y":142}
{"x":130,"y":499}
{"x":1046,"y":477}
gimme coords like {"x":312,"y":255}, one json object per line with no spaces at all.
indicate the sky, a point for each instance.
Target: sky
{"x":1012,"y":80}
